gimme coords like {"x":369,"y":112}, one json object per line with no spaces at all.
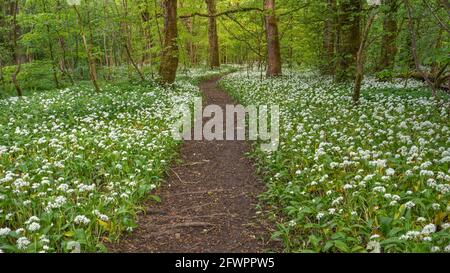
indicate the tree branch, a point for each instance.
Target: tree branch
{"x":293,"y":10}
{"x":221,"y":13}
{"x":242,"y":40}
{"x":414,"y":48}
{"x":444,"y":26}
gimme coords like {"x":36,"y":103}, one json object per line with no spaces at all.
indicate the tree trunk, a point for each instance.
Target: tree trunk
{"x":2,"y":79}
{"x":92,"y":68}
{"x":360,"y":59}
{"x":415,"y":55}
{"x":329,"y":38}
{"x":155,"y":17}
{"x":17,"y":56}
{"x":214,"y":58}
{"x":106,"y":42}
{"x":130,"y":58}
{"x":273,"y":41}
{"x":2,"y":40}
{"x":128,"y":42}
{"x":63,"y":63}
{"x":349,"y":38}
{"x":438,"y":45}
{"x":52,"y":57}
{"x":147,"y":57}
{"x":388,"y":46}
{"x":191,"y":48}
{"x":170,"y":58}
{"x":50,"y":48}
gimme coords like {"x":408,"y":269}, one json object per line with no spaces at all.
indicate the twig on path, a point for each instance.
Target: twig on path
{"x":196,"y":207}
{"x":169,"y":228}
{"x":179,"y":178}
{"x":199,"y":192}
{"x":191,"y":224}
{"x":195,"y":163}
{"x":198,"y":216}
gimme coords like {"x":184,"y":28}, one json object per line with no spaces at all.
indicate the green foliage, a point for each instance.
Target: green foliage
{"x":69,"y":136}
{"x":34,"y":76}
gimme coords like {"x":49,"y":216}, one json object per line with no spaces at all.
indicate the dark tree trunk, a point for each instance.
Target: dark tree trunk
{"x":191,"y":48}
{"x":214,"y":58}
{"x":2,"y":23}
{"x":88,"y":49}
{"x":2,"y":79}
{"x":2,"y":40}
{"x":133,"y":63}
{"x":158,"y":28}
{"x":417,"y":63}
{"x":64,"y":65}
{"x":169,"y":59}
{"x":147,"y":57}
{"x":349,"y":38}
{"x":329,"y":38}
{"x":360,"y":59}
{"x":15,"y":46}
{"x":127,"y":43}
{"x":50,"y":48}
{"x":52,"y":57}
{"x":273,"y":40}
{"x":390,"y":28}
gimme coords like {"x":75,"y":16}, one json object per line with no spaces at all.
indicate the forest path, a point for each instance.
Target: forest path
{"x":208,"y":201}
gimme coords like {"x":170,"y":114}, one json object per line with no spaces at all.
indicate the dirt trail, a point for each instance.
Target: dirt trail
{"x":208,"y":201}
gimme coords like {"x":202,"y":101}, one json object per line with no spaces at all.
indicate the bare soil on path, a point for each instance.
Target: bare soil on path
{"x":208,"y":203}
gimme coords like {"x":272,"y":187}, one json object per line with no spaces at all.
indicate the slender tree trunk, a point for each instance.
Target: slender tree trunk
{"x":107,"y":58}
{"x":50,"y":48}
{"x":213,"y":39}
{"x":417,"y":64}
{"x":134,"y":63}
{"x":148,"y":45}
{"x":106,"y":51}
{"x":191,"y":48}
{"x":170,"y":58}
{"x":63,"y":65}
{"x":161,"y":40}
{"x":349,"y":38}
{"x":360,"y":59}
{"x":388,"y":46}
{"x":2,"y":79}
{"x":17,"y":55}
{"x":127,"y":42}
{"x":329,"y":38}
{"x":435,"y":65}
{"x":92,"y":68}
{"x":273,"y":40}
{"x":53,"y":60}
{"x":2,"y":40}
{"x":291,"y":41}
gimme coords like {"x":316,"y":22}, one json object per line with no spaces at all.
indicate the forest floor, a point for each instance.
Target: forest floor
{"x":208,"y":203}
